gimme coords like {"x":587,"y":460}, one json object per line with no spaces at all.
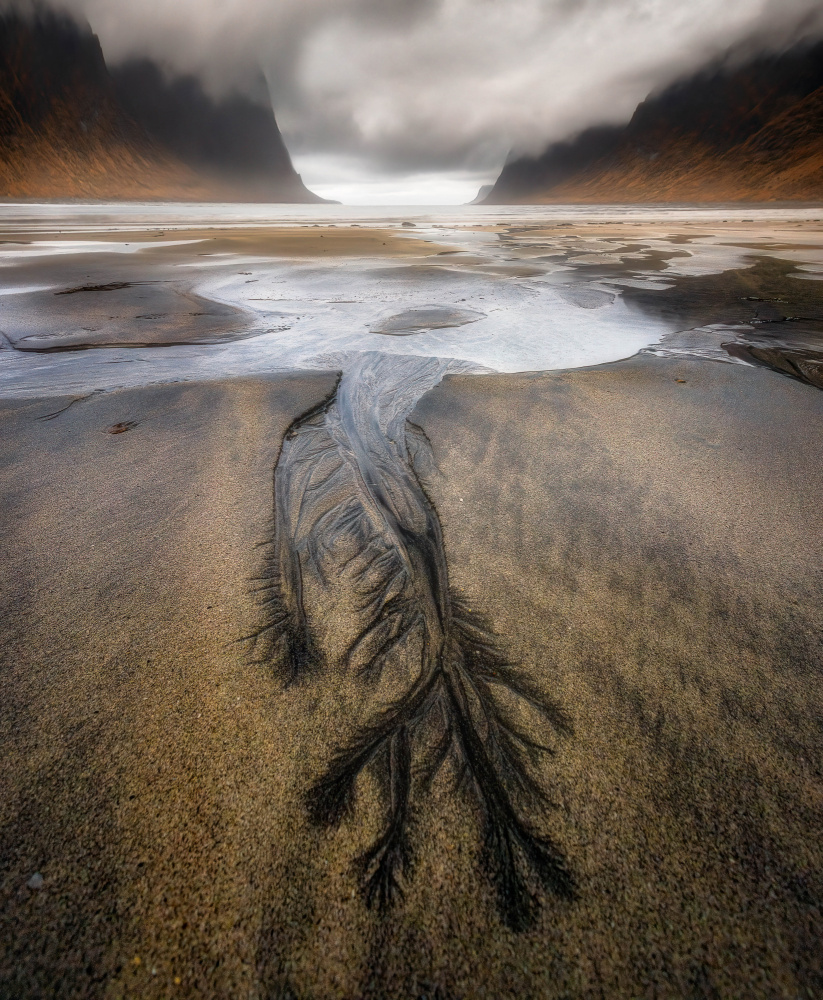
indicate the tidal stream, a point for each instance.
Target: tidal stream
{"x":360,"y":583}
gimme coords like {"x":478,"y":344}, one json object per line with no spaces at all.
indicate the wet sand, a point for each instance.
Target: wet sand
{"x":123,"y":298}
{"x":275,"y":241}
{"x":644,"y":537}
{"x":643,"y":540}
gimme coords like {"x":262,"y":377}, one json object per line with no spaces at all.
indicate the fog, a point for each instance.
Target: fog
{"x":429,"y":96}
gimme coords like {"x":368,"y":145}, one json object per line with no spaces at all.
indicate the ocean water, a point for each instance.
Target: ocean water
{"x":44,"y":217}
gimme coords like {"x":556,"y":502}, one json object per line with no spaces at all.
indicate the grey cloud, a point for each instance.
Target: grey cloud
{"x":443,"y":84}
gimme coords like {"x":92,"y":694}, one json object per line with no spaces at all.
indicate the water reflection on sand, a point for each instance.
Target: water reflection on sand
{"x":201,"y":292}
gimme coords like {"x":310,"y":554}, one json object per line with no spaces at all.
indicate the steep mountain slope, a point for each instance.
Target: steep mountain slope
{"x":234,"y":141}
{"x":64,"y":132}
{"x":730,"y":133}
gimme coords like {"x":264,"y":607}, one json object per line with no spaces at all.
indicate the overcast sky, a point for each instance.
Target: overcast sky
{"x":419,"y":101}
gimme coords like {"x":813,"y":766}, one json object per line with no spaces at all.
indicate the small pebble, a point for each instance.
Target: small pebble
{"x":36,"y":881}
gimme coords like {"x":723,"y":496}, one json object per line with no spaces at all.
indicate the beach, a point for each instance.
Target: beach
{"x":630,"y":510}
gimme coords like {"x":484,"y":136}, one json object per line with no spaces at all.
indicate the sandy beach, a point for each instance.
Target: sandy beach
{"x":643,"y":538}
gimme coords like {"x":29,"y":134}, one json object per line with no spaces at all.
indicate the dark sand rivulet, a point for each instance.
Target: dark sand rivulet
{"x":646,"y":540}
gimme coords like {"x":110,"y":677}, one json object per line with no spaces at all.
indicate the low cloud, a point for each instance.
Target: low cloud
{"x":426,"y":85}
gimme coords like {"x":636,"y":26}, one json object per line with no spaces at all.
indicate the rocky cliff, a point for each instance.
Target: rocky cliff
{"x":750,"y":132}
{"x":233,"y":140}
{"x":70,"y":129}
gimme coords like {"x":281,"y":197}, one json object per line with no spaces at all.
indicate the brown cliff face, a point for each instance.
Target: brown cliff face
{"x":64,"y":131}
{"x":233,"y":141}
{"x":752,"y":133}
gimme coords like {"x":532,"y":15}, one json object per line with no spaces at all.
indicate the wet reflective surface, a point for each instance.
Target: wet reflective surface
{"x":531,"y":292}
{"x":359,"y":584}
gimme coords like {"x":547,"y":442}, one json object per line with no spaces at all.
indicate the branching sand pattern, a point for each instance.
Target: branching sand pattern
{"x":358,"y":541}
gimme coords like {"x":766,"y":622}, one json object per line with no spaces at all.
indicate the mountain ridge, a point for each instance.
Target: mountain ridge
{"x":753,"y":132}
{"x":69,"y":131}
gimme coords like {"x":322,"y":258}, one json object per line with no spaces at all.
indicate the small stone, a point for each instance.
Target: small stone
{"x":36,"y":881}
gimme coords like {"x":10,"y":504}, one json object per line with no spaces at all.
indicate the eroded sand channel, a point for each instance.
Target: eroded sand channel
{"x":642,"y":536}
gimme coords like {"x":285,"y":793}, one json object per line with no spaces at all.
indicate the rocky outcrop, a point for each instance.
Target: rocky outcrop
{"x":751,"y":132}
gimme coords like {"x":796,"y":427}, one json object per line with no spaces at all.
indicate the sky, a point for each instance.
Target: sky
{"x":420,"y":101}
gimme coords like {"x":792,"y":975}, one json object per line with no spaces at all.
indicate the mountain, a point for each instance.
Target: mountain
{"x":71,"y":129}
{"x":482,"y":194}
{"x":233,"y":140}
{"x":732,"y":132}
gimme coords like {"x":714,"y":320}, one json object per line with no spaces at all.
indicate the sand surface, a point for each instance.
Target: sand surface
{"x":645,"y":539}
{"x":136,"y":289}
{"x":637,"y":546}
